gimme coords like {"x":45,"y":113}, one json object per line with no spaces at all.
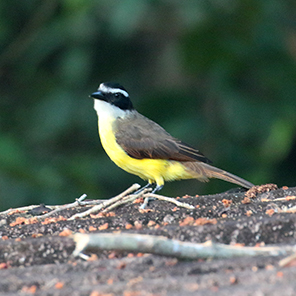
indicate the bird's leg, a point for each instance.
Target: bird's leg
{"x":142,"y":188}
{"x":157,"y":188}
{"x":148,"y":198}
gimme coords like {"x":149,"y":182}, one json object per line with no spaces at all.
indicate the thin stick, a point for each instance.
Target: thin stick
{"x":63,"y":207}
{"x":168,"y":247}
{"x":21,"y":209}
{"x":53,"y":207}
{"x":170,"y":199}
{"x":288,"y":210}
{"x":287,"y":198}
{"x":287,"y":260}
{"x":108,"y":202}
{"x":126,"y":199}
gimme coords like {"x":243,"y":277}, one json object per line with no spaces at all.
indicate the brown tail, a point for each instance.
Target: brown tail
{"x":203,"y":171}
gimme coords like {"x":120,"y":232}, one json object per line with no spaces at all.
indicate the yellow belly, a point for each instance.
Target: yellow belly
{"x":154,"y":170}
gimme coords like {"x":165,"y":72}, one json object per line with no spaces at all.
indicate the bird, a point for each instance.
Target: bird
{"x":141,"y":147}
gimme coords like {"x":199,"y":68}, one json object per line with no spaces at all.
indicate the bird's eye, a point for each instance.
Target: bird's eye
{"x":116,"y":95}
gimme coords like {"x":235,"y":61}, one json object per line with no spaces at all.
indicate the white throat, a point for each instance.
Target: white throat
{"x":106,"y":111}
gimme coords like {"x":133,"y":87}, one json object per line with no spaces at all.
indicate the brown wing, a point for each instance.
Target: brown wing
{"x":142,"y":138}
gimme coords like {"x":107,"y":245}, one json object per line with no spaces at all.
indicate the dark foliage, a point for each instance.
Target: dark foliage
{"x":217,"y":74}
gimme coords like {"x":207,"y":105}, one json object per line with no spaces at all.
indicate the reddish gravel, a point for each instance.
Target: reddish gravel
{"x":35,"y":257}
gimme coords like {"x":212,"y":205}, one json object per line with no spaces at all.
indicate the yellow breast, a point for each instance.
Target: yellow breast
{"x":154,"y":170}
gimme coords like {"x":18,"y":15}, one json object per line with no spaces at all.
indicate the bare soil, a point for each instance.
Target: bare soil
{"x":36,"y":259}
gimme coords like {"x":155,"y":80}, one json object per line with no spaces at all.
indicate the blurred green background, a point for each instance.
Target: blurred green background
{"x":219,"y":74}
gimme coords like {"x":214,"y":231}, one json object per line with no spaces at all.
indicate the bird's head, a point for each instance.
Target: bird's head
{"x":114,"y":94}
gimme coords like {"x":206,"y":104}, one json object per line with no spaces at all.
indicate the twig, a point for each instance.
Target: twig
{"x":170,"y":199}
{"x":126,"y":199}
{"x":287,"y":260}
{"x":91,"y":202}
{"x":21,"y":209}
{"x":107,"y":205}
{"x":286,"y":198}
{"x":54,"y":207}
{"x":288,"y":210}
{"x":168,"y":247}
{"x":63,"y":207}
{"x":108,"y":202}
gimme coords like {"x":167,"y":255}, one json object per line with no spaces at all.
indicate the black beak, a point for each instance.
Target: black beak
{"x":98,"y":95}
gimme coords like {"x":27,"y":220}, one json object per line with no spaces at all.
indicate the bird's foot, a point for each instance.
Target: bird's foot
{"x":148,"y":198}
{"x":142,"y":188}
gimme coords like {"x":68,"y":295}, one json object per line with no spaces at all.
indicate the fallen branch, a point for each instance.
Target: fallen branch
{"x":168,"y":247}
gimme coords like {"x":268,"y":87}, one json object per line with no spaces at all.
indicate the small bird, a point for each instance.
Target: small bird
{"x":141,"y":147}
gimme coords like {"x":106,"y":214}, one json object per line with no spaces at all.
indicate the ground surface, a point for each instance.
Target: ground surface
{"x":36,"y":258}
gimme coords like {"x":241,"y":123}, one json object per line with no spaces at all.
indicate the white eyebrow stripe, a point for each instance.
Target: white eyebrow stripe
{"x":118,"y":90}
{"x":104,"y":88}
